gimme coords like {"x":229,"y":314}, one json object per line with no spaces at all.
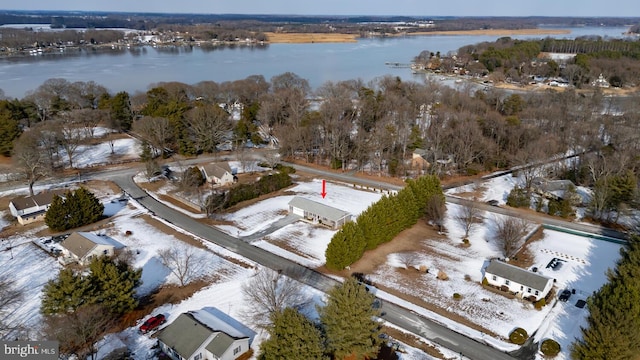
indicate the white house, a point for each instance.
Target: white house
{"x":82,"y":247}
{"x":205,"y":334}
{"x":525,"y":284}
{"x":217,"y":173}
{"x":33,"y":208}
{"x":318,"y":213}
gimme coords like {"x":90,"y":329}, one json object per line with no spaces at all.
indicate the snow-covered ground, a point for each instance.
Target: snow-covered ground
{"x":85,"y":156}
{"x":306,"y":244}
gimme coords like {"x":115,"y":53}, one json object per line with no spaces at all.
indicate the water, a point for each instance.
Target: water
{"x":136,"y":69}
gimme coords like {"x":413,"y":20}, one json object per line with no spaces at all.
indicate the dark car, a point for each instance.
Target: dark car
{"x":493,"y":203}
{"x":564,"y":295}
{"x":152,"y":323}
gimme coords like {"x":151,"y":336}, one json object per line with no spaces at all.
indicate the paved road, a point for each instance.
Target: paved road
{"x":394,"y":314}
{"x":522,"y":213}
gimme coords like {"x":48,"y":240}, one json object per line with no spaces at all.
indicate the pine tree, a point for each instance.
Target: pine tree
{"x":89,"y":207}
{"x":56,"y":216}
{"x":68,"y":292}
{"x":613,"y":324}
{"x":78,"y":208}
{"x":292,"y":337}
{"x":348,"y":320}
{"x":116,"y":283}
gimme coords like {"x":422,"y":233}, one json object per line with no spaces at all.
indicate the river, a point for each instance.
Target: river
{"x":136,"y":69}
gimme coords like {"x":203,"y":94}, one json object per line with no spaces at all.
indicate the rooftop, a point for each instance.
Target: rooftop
{"x":325,"y":211}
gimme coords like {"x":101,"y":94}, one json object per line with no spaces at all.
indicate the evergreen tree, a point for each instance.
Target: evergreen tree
{"x":116,"y":283}
{"x":67,"y":293}
{"x":56,"y":216}
{"x":110,"y":284}
{"x":121,"y":114}
{"x":348,"y":320}
{"x":613,"y":324}
{"x":292,"y":337}
{"x":89,"y":207}
{"x":78,"y":208}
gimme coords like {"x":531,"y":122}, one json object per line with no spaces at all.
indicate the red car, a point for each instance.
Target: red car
{"x":152,"y":323}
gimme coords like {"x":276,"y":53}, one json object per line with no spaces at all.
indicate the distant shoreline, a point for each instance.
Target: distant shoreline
{"x":311,"y":38}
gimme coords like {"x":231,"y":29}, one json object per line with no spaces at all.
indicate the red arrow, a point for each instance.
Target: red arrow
{"x":324,"y":188}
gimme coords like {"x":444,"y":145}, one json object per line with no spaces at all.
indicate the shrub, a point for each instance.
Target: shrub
{"x":466,"y":242}
{"x":442,"y":275}
{"x":518,"y":197}
{"x":518,"y":336}
{"x":467,"y":277}
{"x":457,"y":296}
{"x":485,"y":282}
{"x":540,"y":303}
{"x":550,"y":347}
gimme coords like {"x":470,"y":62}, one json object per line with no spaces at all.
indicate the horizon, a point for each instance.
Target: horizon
{"x":409,"y":8}
{"x":320,"y":15}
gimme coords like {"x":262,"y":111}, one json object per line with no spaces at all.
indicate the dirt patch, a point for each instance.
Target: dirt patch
{"x":407,"y":241}
{"x":422,"y":238}
{"x":412,"y":341}
{"x":309,"y":38}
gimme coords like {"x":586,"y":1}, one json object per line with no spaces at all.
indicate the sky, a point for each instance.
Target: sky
{"x":576,"y":8}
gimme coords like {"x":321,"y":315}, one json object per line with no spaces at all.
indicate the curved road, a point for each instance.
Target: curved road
{"x":394,"y":314}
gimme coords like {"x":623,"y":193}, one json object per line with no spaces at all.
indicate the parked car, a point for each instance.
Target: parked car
{"x":152,"y":323}
{"x":493,"y":203}
{"x":564,"y":295}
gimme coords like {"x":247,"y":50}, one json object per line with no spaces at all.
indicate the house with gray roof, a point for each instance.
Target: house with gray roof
{"x":82,"y":247}
{"x":523,"y":283}
{"x":318,"y":213}
{"x":28,"y":209}
{"x":218,"y":173}
{"x":205,"y":334}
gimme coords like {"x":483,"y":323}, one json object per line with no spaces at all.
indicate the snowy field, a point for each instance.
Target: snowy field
{"x":310,"y":241}
{"x":86,"y":156}
{"x":306,"y":243}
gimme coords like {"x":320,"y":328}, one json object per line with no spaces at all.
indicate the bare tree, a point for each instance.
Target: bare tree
{"x":435,"y":210}
{"x":184,"y":261}
{"x":29,"y":159}
{"x":510,"y":234}
{"x":69,"y":136}
{"x":78,"y":332}
{"x":408,"y":259}
{"x":156,"y":131}
{"x":209,"y":125}
{"x":468,"y":216}
{"x":269,"y":292}
{"x":10,"y":297}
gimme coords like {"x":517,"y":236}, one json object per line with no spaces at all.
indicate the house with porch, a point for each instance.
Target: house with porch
{"x":218,"y":173}
{"x":29,"y":209}
{"x":205,"y":334}
{"x":319,"y":213}
{"x":523,"y":283}
{"x":82,"y":247}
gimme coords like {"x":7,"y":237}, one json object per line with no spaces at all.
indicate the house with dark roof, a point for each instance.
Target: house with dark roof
{"x":205,"y":334}
{"x":218,"y":173}
{"x":28,"y":209}
{"x":318,"y":213}
{"x":82,"y":247}
{"x":523,"y":283}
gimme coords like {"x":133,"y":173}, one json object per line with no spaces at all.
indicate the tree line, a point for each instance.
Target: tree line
{"x":385,"y":219}
{"x":373,"y":127}
{"x":613,"y":324}
{"x":518,"y":60}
